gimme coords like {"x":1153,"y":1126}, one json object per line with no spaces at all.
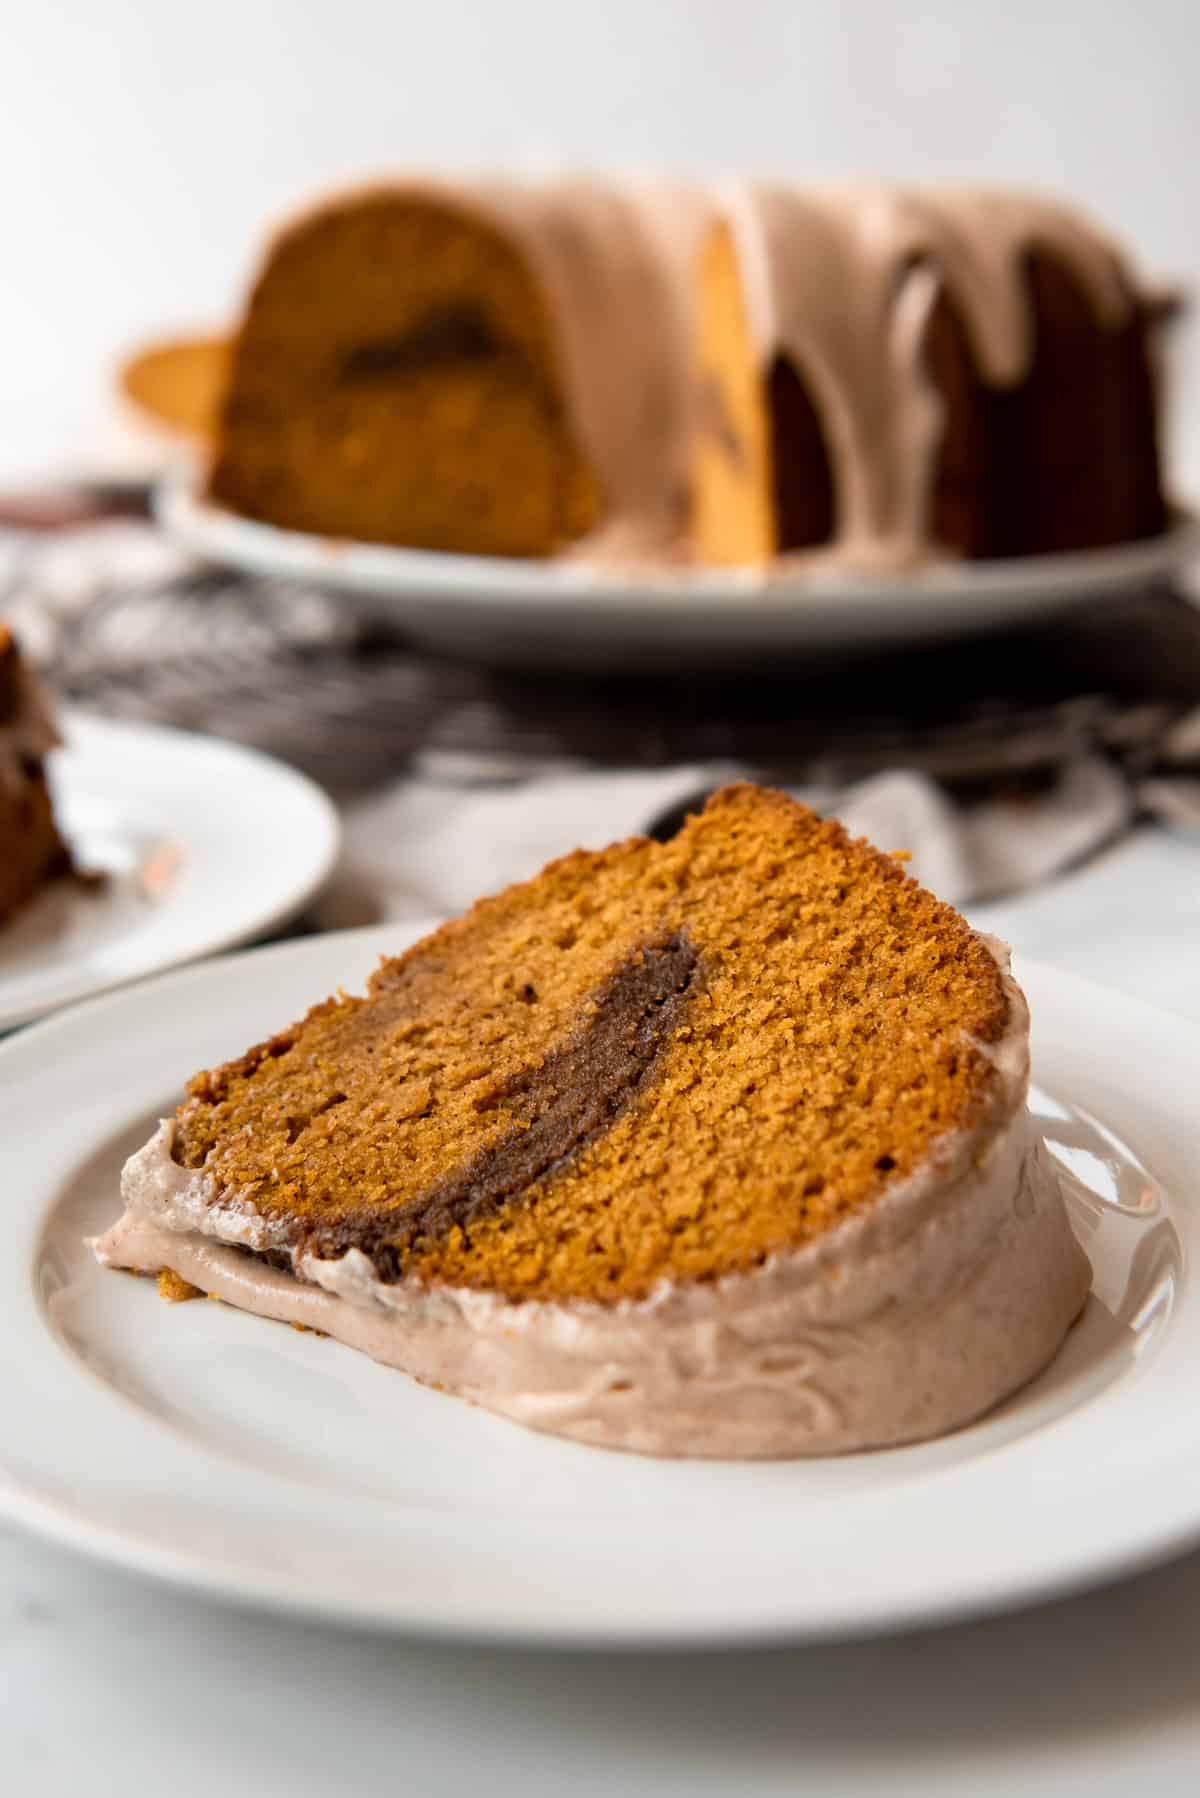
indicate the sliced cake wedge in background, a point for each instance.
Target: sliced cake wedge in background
{"x":31,"y":850}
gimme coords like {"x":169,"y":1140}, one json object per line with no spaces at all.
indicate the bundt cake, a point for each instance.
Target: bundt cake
{"x":873,"y":378}
{"x":31,"y":850}
{"x":712,"y":1147}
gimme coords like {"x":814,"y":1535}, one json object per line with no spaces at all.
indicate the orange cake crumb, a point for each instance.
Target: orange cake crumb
{"x":175,"y":1289}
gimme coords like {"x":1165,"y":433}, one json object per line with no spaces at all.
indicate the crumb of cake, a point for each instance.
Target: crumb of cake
{"x":175,"y":1289}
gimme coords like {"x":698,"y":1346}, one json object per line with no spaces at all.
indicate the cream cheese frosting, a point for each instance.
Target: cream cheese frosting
{"x":913,"y":1316}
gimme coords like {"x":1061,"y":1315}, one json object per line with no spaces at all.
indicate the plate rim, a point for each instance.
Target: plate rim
{"x":81,"y":728}
{"x":532,"y":586}
{"x":1178,"y":1529}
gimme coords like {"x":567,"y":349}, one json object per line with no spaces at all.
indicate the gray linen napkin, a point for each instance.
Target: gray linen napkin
{"x":423,"y":847}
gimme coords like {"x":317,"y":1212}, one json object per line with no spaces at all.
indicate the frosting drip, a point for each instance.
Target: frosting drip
{"x":846,"y":283}
{"x":840,"y":282}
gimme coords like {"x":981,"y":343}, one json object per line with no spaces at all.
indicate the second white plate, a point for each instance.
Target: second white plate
{"x":250,"y":1461}
{"x":201,"y":845}
{"x":566,"y":614}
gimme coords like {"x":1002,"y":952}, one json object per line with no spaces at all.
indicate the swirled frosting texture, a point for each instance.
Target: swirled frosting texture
{"x":910,"y":1318}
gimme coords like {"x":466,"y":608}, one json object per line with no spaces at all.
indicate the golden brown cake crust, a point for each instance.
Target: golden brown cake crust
{"x":653,"y":1062}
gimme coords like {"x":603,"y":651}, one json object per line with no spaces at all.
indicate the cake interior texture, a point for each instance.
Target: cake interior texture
{"x":399,"y":360}
{"x":654,"y":1063}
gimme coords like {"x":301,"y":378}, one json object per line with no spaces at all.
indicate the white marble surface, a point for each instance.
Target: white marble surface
{"x":110,"y":1685}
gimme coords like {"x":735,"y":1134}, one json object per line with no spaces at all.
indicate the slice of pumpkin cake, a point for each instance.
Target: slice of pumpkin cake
{"x":712,"y":1147}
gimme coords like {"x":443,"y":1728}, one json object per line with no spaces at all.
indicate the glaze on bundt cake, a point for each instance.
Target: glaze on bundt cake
{"x":622,"y":371}
{"x":31,"y":849}
{"x":904,"y":370}
{"x":711,"y":1147}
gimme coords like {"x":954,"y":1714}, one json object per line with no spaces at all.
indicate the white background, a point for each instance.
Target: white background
{"x":144,"y":144}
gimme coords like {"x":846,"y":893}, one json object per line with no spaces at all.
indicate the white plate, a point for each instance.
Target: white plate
{"x":202,"y":845}
{"x":245,"y":1459}
{"x":563,"y":613}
